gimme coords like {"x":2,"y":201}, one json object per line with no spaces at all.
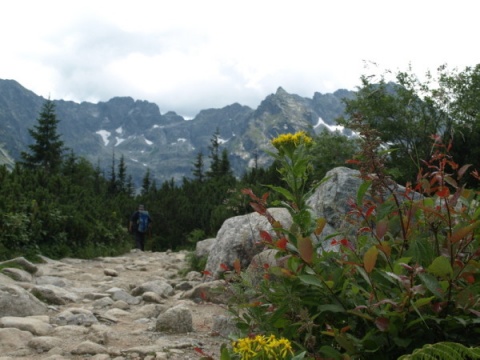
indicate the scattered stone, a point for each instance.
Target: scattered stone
{"x":55,"y":295}
{"x":44,"y":343}
{"x":110,"y":272}
{"x":177,"y":319}
{"x":20,"y":262}
{"x":75,"y":316}
{"x":12,"y":339}
{"x":35,"y":326}
{"x":89,"y":348}
{"x":159,"y":287}
{"x":15,"y":301}
{"x":18,"y":274}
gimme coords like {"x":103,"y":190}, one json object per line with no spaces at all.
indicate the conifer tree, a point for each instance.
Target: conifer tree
{"x":112,"y":183}
{"x":214,"y":156}
{"x":146,"y":183}
{"x":122,"y":175}
{"x":47,"y":149}
{"x":198,"y":171}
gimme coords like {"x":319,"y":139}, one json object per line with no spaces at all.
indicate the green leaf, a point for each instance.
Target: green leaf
{"x":225,"y":354}
{"x":311,"y":280}
{"x":441,"y":267}
{"x":432,"y":284}
{"x":300,"y":356}
{"x":423,"y":301}
{"x":331,"y":308}
{"x":460,"y":233}
{"x":286,"y":193}
{"x":362,"y":190}
{"x":331,"y":353}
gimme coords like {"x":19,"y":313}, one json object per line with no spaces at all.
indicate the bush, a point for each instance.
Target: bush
{"x":408,"y":276}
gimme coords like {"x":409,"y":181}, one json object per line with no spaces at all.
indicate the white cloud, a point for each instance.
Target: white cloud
{"x":189,"y":55}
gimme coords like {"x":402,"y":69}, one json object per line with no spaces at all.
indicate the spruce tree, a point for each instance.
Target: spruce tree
{"x":198,"y":171}
{"x":47,"y":149}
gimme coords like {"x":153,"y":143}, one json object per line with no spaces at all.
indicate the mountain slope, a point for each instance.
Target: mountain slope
{"x":166,"y":144}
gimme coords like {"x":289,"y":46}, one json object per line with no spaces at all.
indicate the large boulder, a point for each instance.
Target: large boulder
{"x":15,"y":301}
{"x":239,"y":238}
{"x":330,"y":199}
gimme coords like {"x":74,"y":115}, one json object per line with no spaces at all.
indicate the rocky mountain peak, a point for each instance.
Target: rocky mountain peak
{"x":165,"y":144}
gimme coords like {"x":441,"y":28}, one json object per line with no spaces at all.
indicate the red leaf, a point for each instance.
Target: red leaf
{"x":266,"y":236}
{"x":345,"y":329}
{"x":305,"y":248}
{"x":207,"y":273}
{"x":265,"y":197}
{"x":282,"y":243}
{"x":443,"y":192}
{"x":237,"y":266}
{"x":352,"y":161}
{"x":382,"y":227}
{"x":248,"y":192}
{"x":224,"y":267}
{"x":199,"y":350}
{"x":369,"y":211}
{"x":258,"y":208}
{"x":347,"y":244}
{"x":382,"y":323}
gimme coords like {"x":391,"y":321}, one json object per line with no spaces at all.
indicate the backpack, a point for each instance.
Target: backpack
{"x":142,"y":222}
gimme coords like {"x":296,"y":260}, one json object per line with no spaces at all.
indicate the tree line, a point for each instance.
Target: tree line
{"x":58,"y":204}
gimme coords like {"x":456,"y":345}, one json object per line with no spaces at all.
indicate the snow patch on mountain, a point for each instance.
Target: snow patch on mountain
{"x":104,"y":135}
{"x":329,"y":127}
{"x":148,"y":142}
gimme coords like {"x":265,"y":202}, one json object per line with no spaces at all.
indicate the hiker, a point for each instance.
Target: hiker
{"x":140,"y":224}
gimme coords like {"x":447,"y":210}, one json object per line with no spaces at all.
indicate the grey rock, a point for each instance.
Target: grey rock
{"x":177,"y":319}
{"x":12,"y":339}
{"x":89,"y":348}
{"x":55,"y":295}
{"x":22,"y":263}
{"x":203,"y":247}
{"x":30,"y":324}
{"x":18,"y":274}
{"x":15,"y":301}
{"x":213,"y":291}
{"x":75,"y":316}
{"x":239,"y":238}
{"x":120,"y":294}
{"x":44,"y":343}
{"x":159,"y":287}
{"x":53,"y":280}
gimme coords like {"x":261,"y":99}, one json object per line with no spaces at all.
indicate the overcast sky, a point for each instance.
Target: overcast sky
{"x":197,"y":54}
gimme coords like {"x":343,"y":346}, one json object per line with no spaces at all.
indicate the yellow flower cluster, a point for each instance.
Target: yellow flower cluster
{"x":263,"y":347}
{"x":292,"y":140}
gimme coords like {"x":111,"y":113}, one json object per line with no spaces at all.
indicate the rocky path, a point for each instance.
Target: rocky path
{"x":136,"y":306}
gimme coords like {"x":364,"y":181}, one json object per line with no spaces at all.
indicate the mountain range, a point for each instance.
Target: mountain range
{"x":167,"y":144}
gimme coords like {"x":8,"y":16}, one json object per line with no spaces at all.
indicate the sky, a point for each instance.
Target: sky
{"x":189,"y":55}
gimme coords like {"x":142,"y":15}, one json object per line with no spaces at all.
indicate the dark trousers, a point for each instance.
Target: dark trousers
{"x":140,"y":240}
